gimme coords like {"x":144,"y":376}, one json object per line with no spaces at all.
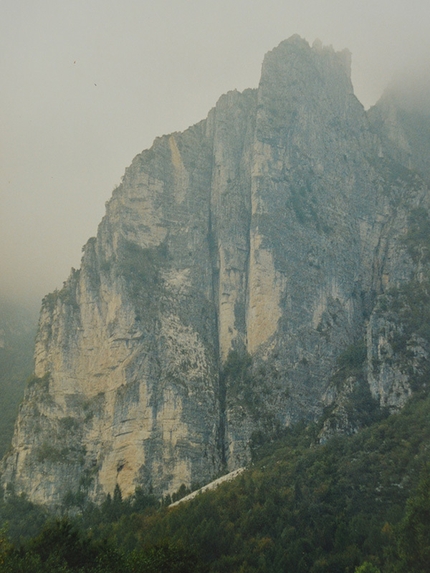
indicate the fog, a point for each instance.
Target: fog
{"x":411,"y":88}
{"x":88,"y":84}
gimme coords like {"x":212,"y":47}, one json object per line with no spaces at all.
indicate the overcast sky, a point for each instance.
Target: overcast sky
{"x":88,"y":84}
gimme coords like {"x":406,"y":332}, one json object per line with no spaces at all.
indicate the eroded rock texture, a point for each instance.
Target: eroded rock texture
{"x":235,"y":263}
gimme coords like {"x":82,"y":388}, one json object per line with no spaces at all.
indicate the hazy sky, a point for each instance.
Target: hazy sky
{"x":88,"y":84}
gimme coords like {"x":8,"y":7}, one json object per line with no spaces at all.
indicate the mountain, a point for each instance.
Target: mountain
{"x":266,"y":266}
{"x":355,"y":504}
{"x":17,"y":333}
{"x":356,"y":499}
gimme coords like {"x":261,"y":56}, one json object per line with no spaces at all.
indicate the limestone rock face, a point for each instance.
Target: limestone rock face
{"x":234,"y":264}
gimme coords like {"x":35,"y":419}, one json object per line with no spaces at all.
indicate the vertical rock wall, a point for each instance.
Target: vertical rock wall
{"x":234,"y":264}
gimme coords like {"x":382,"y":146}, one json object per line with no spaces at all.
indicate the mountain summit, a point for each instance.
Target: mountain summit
{"x":242,"y":280}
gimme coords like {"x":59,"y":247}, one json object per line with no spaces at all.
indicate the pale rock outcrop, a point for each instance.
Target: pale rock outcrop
{"x":234,"y":264}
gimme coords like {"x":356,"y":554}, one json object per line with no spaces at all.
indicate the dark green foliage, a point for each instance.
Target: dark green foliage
{"x":350,"y":363}
{"x":324,"y":509}
{"x":182,"y":492}
{"x":340,"y":507}
{"x":247,"y":390}
{"x":50,"y":300}
{"x":166,"y":558}
{"x":62,"y":548}
{"x":114,"y":518}
{"x":305,"y":206}
{"x":413,"y":535}
{"x":42,"y":384}
{"x":237,"y":366}
{"x":411,"y":303}
{"x":62,"y":540}
{"x":353,"y":357}
{"x":416,"y":124}
{"x":408,"y":307}
{"x":367,"y":567}
{"x":141,"y":269}
{"x":396,"y":179}
{"x":141,"y":501}
{"x":112,"y":508}
{"x":417,"y":238}
{"x":358,"y":404}
{"x":237,"y":375}
{"x":247,"y":382}
{"x":362,"y":408}
{"x":68,"y":424}
{"x":142,"y":266}
{"x":48,"y":452}
{"x":24,"y":519}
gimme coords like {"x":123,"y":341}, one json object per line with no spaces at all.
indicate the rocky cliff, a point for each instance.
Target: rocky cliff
{"x":17,"y":332}
{"x":236,"y":263}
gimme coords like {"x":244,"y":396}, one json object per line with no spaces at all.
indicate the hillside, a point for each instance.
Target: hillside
{"x":300,"y":507}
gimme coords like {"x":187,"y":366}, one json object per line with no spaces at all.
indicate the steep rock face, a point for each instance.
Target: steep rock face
{"x":128,"y":348}
{"x":403,"y":128}
{"x":235,"y":262}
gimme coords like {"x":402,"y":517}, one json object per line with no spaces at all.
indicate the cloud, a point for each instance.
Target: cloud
{"x":159,"y":67}
{"x":411,"y":87}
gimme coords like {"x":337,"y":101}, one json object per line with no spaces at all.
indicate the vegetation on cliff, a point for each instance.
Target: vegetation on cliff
{"x":317,"y":498}
{"x":361,"y":501}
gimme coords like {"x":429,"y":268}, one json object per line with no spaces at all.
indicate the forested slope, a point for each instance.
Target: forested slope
{"x":301,"y":507}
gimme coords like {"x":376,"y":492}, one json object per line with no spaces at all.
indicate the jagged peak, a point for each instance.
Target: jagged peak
{"x":409,"y":94}
{"x":297,"y":45}
{"x":265,"y":227}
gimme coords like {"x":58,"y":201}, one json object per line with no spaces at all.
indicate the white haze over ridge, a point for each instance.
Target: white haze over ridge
{"x":88,"y":84}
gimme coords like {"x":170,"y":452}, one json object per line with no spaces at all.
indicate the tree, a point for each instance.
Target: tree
{"x":414,"y":531}
{"x":367,"y":567}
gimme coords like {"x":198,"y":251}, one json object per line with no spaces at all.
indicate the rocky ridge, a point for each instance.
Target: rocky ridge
{"x":236,"y":263}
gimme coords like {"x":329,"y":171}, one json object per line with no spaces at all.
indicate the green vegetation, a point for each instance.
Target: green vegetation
{"x":357,"y":504}
{"x":407,"y":309}
{"x":302,"y":508}
{"x":248,"y":389}
{"x":51,"y":453}
{"x":141,"y":265}
{"x":62,"y":548}
{"x":237,"y":376}
{"x":397,"y":180}
{"x":417,"y":238}
{"x":352,"y":359}
{"x":413,"y":536}
{"x":416,"y":125}
{"x":305,"y":206}
{"x":67,"y":294}
{"x":141,"y":268}
{"x":411,"y":304}
{"x":42,"y":384}
{"x":355,"y":407}
{"x":20,"y":518}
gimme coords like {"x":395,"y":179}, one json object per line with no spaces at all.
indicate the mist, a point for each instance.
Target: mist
{"x":89,"y":84}
{"x":411,"y":88}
